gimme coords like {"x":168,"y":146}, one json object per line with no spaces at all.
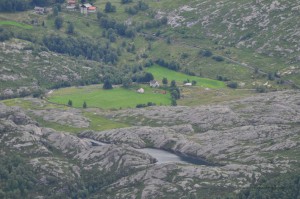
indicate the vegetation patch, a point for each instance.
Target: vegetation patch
{"x":160,"y":72}
{"x":116,"y":98}
{"x":14,"y":23}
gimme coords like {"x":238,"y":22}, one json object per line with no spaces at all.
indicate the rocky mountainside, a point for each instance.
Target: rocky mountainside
{"x":26,"y":69}
{"x":268,"y":27}
{"x":239,"y":141}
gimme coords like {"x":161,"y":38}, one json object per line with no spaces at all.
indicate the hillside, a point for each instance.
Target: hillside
{"x":80,"y":118}
{"x":238,"y":143}
{"x":248,"y":45}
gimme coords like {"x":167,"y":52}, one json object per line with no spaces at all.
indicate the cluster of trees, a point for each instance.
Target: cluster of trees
{"x":22,"y":5}
{"x":155,"y":23}
{"x":14,"y":5}
{"x":119,"y":28}
{"x":170,"y":65}
{"x":17,"y":179}
{"x":140,"y":6}
{"x":5,"y":34}
{"x":142,"y":77}
{"x":208,"y":53}
{"x":81,"y":46}
{"x":284,"y":186}
{"x":175,"y":93}
{"x":70,"y":103}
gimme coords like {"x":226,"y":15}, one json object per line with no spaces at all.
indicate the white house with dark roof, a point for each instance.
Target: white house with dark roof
{"x":154,"y":83}
{"x":87,"y":8}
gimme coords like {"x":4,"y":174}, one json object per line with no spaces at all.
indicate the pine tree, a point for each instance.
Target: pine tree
{"x":70,"y":103}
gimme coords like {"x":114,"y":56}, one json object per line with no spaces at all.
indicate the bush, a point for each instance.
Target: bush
{"x":261,"y":89}
{"x":232,"y":85}
{"x":218,"y":58}
{"x":205,"y":53}
{"x":141,"y":106}
{"x":5,"y":34}
{"x":70,"y":103}
{"x":58,"y":23}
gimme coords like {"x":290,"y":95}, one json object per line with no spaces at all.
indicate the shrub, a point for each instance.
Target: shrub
{"x":261,"y":89}
{"x":205,"y":53}
{"x":232,"y":85}
{"x":218,"y":58}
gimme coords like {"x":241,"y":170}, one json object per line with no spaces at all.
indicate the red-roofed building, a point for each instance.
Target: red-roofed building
{"x":87,"y":8}
{"x":92,"y":9}
{"x":71,"y":4}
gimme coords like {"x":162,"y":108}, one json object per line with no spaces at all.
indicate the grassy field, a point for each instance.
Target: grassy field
{"x":13,"y":23}
{"x":160,"y":72}
{"x":116,"y":98}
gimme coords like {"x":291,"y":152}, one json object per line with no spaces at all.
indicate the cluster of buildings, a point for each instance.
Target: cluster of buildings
{"x":72,"y":5}
{"x":153,"y":84}
{"x":84,"y":8}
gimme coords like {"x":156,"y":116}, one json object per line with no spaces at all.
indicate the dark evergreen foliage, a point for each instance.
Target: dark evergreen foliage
{"x":107,"y":84}
{"x":284,"y":186}
{"x":81,"y":46}
{"x":170,"y":65}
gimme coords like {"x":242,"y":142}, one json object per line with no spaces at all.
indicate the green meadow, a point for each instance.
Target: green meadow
{"x":160,"y":72}
{"x":115,"y":98}
{"x":13,"y":23}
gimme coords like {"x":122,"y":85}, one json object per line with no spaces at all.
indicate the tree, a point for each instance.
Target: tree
{"x":70,"y":29}
{"x":109,"y":7}
{"x":165,"y":81}
{"x":175,"y":94}
{"x":58,"y":22}
{"x":169,"y":40}
{"x":84,"y":105}
{"x":173,"y":102}
{"x":173,"y":83}
{"x":148,"y":77}
{"x":205,"y":53}
{"x":70,"y":103}
{"x":126,"y":81}
{"x":107,"y":84}
{"x":55,"y":11}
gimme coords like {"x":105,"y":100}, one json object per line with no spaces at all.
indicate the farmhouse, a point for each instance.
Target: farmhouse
{"x":71,"y":4}
{"x":154,"y":83}
{"x":39,"y":10}
{"x":141,"y":90}
{"x":87,"y":8}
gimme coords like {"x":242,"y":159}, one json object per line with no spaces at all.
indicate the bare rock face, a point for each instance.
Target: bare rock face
{"x":246,"y":139}
{"x":71,"y":117}
{"x":245,"y":136}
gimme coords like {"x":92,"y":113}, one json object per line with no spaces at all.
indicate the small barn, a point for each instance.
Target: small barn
{"x":87,"y":8}
{"x":71,"y":4}
{"x":154,"y":84}
{"x":39,"y":10}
